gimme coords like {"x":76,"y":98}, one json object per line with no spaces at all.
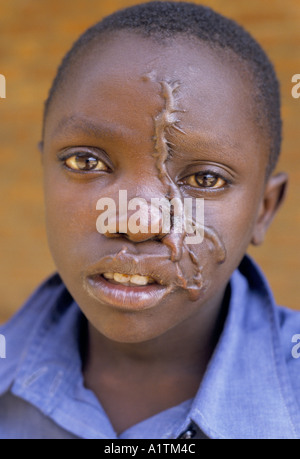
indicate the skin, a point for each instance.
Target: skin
{"x":139,"y":362}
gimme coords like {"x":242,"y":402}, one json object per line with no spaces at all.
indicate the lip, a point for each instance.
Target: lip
{"x":126,"y":297}
{"x":123,"y":296}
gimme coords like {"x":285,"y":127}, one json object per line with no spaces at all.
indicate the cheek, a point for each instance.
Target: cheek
{"x":70,"y":215}
{"x":228,"y":227}
{"x":233,"y":219}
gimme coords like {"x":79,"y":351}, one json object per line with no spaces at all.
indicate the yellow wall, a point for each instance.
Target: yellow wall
{"x":34,"y":35}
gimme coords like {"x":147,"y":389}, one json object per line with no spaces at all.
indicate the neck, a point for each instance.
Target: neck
{"x":187,"y":345}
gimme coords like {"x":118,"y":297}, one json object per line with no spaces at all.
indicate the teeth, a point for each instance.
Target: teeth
{"x":108,"y":275}
{"x":121,"y":278}
{"x":125,"y":278}
{"x":139,"y":280}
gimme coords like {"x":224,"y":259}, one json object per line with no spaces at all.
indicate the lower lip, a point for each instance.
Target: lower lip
{"x":125,"y":297}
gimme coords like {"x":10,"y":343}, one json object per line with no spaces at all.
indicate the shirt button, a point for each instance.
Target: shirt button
{"x":190,"y":432}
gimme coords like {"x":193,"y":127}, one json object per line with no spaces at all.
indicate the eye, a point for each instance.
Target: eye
{"x":206,"y":180}
{"x":85,"y":162}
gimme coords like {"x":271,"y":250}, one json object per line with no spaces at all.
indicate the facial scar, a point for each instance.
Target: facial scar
{"x":164,"y":122}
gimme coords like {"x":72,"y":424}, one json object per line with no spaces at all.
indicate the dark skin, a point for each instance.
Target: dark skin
{"x":142,"y":360}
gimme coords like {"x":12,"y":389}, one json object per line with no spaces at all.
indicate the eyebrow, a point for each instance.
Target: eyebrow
{"x":75,"y":123}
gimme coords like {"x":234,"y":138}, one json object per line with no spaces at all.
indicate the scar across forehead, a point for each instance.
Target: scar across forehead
{"x":164,"y":122}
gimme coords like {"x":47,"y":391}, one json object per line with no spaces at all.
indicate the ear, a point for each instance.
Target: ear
{"x":274,"y":194}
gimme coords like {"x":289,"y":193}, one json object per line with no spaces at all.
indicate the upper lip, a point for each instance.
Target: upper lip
{"x":160,"y":268}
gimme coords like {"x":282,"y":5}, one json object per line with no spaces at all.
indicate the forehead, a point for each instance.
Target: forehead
{"x":119,"y":80}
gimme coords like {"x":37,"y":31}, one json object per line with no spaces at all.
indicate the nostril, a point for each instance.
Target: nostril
{"x":140,"y":237}
{"x":136,"y":237}
{"x":113,"y":235}
{"x":159,"y":237}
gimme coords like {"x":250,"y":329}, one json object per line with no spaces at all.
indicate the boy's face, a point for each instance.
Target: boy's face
{"x":106,"y":119}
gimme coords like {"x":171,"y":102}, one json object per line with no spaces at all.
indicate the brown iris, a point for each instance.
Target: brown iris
{"x":206,"y":180}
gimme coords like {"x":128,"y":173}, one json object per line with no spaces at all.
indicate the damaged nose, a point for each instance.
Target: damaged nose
{"x":138,"y":220}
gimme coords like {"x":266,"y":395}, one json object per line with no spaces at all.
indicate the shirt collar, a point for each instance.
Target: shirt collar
{"x":245,"y":392}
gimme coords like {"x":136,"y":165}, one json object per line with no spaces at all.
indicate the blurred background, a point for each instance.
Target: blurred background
{"x":34,"y":36}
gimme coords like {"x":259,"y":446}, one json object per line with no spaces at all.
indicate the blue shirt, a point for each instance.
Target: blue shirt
{"x":251,"y":388}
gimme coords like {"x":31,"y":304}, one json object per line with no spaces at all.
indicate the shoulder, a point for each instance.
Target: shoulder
{"x":284,"y":322}
{"x":288,"y":320}
{"x":35,"y":307}
{"x":289,"y":334}
{"x":17,"y":333}
{"x":288,"y":317}
{"x":289,"y":330}
{"x":289,"y":326}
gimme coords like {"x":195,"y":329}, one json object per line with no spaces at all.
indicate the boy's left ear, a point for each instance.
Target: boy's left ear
{"x":274,"y":194}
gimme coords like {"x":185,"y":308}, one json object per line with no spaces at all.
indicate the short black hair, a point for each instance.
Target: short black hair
{"x":164,"y":20}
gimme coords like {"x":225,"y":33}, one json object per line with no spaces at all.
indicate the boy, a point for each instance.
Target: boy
{"x":142,"y":334}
